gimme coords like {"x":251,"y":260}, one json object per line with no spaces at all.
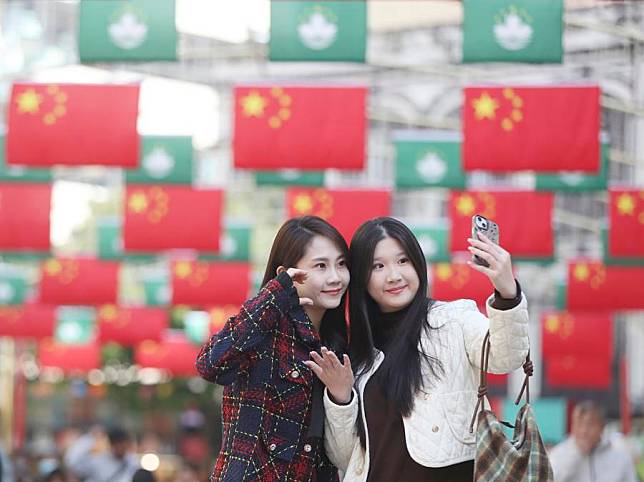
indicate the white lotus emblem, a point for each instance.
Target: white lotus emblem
{"x":158,"y":163}
{"x":428,"y":245}
{"x":431,"y":168}
{"x":6,"y":291}
{"x":228,"y":245}
{"x":318,"y":32}
{"x":513,"y":33}
{"x":69,"y":332}
{"x":128,"y":32}
{"x":572,"y":178}
{"x":289,"y":174}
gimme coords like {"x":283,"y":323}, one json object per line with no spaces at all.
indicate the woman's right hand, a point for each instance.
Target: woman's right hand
{"x":298,"y":276}
{"x":336,"y":375}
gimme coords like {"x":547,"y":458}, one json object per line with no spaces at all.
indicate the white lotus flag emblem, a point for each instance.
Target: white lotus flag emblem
{"x":228,"y":245}
{"x":512,"y":30}
{"x":432,"y":167}
{"x":6,"y":291}
{"x":319,"y":30}
{"x":158,"y":163}
{"x":128,"y":32}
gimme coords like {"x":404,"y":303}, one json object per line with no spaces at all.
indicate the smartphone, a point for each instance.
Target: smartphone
{"x":481,"y":224}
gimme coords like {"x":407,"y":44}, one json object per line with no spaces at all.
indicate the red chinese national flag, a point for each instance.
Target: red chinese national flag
{"x":27,"y":321}
{"x":299,"y":127}
{"x":626,"y":233}
{"x":578,"y":371}
{"x":130,"y":326}
{"x":24,"y":216}
{"x":453,"y":281}
{"x":171,"y":217}
{"x":579,"y":333}
{"x":535,"y":128}
{"x":595,"y":286}
{"x":73,"y":124}
{"x":174,"y":353}
{"x":524,"y":219}
{"x":70,"y":358}
{"x":344,"y":209}
{"x":204,"y":284}
{"x":67,"y":281}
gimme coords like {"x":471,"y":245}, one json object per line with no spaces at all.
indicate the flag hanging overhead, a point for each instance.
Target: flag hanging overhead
{"x":32,"y":321}
{"x":299,"y":127}
{"x":543,"y":129}
{"x":174,"y":353}
{"x":453,"y":281}
{"x":130,"y":326}
{"x":24,"y":217}
{"x":69,"y":358}
{"x":434,"y":241}
{"x":428,"y":159}
{"x":164,"y":160}
{"x":512,"y":30}
{"x":171,"y":217}
{"x":344,"y":209}
{"x":67,"y":281}
{"x":595,"y":286}
{"x":123,"y":30}
{"x":578,"y":333}
{"x":626,"y":229}
{"x":289,"y":177}
{"x":73,"y":124}
{"x":524,"y":219}
{"x":318,"y":30}
{"x":19,"y":173}
{"x":204,"y":284}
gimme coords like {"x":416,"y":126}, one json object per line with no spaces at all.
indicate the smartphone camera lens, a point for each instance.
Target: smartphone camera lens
{"x":481,"y":223}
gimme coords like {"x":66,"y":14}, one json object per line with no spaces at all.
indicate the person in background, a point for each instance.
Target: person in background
{"x":143,"y":475}
{"x":588,"y":455}
{"x":114,"y":465}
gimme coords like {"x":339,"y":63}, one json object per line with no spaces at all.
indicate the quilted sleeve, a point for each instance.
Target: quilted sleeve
{"x":221,"y":358}
{"x":340,"y":436}
{"x":508,"y":335}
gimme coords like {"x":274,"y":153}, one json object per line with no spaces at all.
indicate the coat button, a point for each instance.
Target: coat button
{"x":307,"y":448}
{"x":295,"y":374}
{"x":272,"y":447}
{"x":435,"y":428}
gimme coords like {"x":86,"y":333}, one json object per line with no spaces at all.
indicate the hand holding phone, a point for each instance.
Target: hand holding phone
{"x":490,"y":229}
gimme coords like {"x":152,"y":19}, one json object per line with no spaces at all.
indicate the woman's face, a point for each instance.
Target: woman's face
{"x":393,"y":282}
{"x":328,"y":275}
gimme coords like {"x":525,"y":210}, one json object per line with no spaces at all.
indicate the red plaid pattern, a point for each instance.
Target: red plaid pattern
{"x":266,"y":409}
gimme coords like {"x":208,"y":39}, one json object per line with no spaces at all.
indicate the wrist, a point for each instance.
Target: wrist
{"x":341,"y":399}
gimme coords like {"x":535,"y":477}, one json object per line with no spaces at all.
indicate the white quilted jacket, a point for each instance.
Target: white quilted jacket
{"x":437,"y":431}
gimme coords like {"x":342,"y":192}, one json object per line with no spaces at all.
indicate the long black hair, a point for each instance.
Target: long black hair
{"x":400,"y":374}
{"x":289,"y":247}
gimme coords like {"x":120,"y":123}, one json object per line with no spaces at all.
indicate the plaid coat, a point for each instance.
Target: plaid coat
{"x":266,"y":408}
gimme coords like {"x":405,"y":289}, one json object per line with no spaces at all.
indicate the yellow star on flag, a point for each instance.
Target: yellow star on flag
{"x":28,"y":102}
{"x":581,"y":272}
{"x":443,"y":271}
{"x":465,"y":205}
{"x":303,"y":204}
{"x":254,"y":104}
{"x":53,"y":267}
{"x":485,"y":107}
{"x":183,"y":269}
{"x":138,"y":202}
{"x":108,"y":312}
{"x":626,"y":204}
{"x":552,"y":324}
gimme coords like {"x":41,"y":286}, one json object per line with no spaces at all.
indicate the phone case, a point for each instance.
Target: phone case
{"x":480,"y":224}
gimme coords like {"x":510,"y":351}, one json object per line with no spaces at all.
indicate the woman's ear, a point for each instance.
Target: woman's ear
{"x":280,"y":269}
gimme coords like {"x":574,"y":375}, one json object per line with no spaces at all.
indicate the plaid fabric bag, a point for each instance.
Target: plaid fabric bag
{"x":498,"y":459}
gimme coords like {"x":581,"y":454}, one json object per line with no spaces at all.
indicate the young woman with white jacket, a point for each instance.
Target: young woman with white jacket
{"x":406,"y":414}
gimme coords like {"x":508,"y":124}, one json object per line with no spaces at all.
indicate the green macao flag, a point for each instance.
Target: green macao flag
{"x":164,"y":160}
{"x":19,"y":173}
{"x":289,"y":177}
{"x":110,"y":242}
{"x":196,"y":325}
{"x":127,"y":30}
{"x":234,"y":244}
{"x":318,"y":30}
{"x":609,"y":259}
{"x":75,"y":324}
{"x":13,"y":289}
{"x":577,"y":181}
{"x":434,"y":240}
{"x":156,"y":291}
{"x":512,"y":30}
{"x":428,"y":159}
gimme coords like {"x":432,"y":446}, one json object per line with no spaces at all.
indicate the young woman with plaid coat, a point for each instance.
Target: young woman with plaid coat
{"x":407,"y":416}
{"x":272,"y":408}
